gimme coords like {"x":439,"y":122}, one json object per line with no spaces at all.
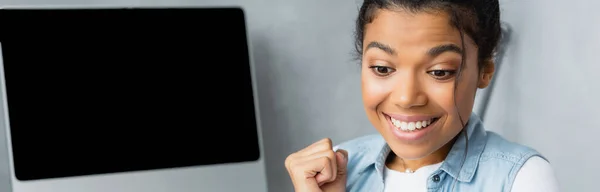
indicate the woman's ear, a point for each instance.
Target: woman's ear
{"x":486,"y":73}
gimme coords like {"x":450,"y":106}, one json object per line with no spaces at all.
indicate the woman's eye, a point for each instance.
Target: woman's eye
{"x":442,"y":74}
{"x":381,"y":70}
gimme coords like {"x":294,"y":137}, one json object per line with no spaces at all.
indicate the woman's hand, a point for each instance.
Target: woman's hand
{"x":317,"y":168}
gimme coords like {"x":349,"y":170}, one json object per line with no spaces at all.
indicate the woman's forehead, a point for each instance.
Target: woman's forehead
{"x":401,"y":29}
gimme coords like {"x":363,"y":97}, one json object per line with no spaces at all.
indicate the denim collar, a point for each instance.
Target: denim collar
{"x":376,"y":154}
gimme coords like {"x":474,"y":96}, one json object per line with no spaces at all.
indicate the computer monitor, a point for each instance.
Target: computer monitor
{"x":124,"y":100}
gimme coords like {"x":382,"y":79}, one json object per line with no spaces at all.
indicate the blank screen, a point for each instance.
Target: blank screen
{"x":113,"y":90}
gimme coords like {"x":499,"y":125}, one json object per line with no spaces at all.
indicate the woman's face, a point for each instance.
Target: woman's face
{"x":410,"y":62}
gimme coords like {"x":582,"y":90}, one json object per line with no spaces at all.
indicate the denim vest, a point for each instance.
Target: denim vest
{"x":491,"y":163}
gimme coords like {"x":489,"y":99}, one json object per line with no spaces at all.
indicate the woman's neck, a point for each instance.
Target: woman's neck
{"x":396,"y":163}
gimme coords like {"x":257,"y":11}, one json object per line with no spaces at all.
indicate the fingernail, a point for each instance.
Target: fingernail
{"x":344,"y":154}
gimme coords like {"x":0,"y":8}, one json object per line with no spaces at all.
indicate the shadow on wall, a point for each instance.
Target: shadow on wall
{"x":484,"y":96}
{"x":502,"y":46}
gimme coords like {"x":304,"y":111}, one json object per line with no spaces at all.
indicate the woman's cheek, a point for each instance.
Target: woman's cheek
{"x":374,"y":91}
{"x":442,"y":95}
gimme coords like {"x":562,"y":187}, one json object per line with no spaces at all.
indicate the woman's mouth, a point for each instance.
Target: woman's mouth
{"x":411,"y":128}
{"x":412,"y":125}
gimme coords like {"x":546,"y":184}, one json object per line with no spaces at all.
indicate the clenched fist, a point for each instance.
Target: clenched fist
{"x":317,"y":168}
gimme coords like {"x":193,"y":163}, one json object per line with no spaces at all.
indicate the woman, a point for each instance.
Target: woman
{"x":422,"y":62}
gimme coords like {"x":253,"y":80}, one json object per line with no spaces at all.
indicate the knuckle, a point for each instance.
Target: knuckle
{"x":330,"y":154}
{"x":324,"y":144}
{"x":327,"y":141}
{"x":289,"y":160}
{"x":292,"y":166}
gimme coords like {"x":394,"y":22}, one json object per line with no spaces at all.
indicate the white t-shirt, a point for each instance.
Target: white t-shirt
{"x":536,"y":175}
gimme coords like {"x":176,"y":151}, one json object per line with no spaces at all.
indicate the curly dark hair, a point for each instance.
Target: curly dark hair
{"x":479,"y":19}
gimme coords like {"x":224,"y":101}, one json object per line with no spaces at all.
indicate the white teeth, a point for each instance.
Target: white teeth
{"x":410,"y":126}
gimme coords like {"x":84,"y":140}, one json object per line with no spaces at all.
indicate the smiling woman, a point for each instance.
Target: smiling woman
{"x":422,"y":63}
{"x":416,"y":82}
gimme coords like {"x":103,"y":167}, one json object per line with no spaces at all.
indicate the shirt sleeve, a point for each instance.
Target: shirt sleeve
{"x":536,"y":175}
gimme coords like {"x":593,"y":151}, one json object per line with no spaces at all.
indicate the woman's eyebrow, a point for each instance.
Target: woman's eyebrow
{"x":433,"y":52}
{"x":437,"y":50}
{"x":381,"y":46}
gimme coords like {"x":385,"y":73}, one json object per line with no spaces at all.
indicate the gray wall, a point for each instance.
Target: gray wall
{"x":548,"y":93}
{"x":309,"y":85}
